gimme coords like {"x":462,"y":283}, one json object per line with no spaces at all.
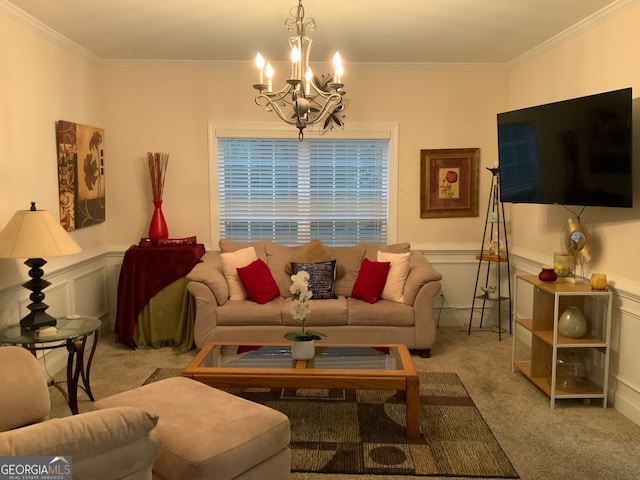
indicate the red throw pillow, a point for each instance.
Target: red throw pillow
{"x":258,"y":282}
{"x":371,"y":280}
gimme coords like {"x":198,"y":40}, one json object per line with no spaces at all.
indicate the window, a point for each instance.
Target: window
{"x":334,"y":189}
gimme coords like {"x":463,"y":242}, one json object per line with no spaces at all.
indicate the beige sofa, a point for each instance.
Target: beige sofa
{"x":406,"y":320}
{"x":116,"y":443}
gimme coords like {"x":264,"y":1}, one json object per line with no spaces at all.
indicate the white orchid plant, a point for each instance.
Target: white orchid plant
{"x":301,"y":307}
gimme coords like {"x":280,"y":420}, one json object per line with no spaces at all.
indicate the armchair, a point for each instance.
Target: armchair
{"x":115,"y":443}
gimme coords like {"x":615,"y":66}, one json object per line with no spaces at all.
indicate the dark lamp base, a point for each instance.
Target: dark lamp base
{"x":38,"y":317}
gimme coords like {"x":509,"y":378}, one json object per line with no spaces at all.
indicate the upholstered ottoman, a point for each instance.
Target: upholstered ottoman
{"x":208,"y":434}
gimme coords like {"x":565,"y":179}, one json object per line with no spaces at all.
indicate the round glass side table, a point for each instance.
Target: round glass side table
{"x":72,"y":333}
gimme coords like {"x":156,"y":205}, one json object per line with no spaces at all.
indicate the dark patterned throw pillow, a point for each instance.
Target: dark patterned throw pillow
{"x":321,"y":278}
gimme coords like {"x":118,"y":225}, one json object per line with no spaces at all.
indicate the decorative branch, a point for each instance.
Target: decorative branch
{"x":157,"y":169}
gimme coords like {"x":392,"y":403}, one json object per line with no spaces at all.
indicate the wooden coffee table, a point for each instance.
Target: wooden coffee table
{"x":353,"y":366}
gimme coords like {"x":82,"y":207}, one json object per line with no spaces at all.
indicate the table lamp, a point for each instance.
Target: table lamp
{"x":34,"y":234}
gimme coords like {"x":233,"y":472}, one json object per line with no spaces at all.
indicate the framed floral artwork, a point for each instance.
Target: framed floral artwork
{"x":81,"y":180}
{"x":449,"y":182}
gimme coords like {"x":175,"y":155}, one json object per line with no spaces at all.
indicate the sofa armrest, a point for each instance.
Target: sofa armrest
{"x":209,"y":272}
{"x":118,"y":439}
{"x":205,"y":322}
{"x":25,"y":395}
{"x":425,"y":323}
{"x":421,"y":272}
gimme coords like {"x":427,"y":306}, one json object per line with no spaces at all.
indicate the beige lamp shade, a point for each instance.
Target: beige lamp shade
{"x":35,"y":234}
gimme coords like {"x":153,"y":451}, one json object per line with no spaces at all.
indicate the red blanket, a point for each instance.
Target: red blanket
{"x":145,"y":271}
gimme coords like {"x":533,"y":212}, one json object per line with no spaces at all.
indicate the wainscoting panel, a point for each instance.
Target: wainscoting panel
{"x":90,"y":288}
{"x":8,"y":313}
{"x":459,"y":270}
{"x":90,"y":294}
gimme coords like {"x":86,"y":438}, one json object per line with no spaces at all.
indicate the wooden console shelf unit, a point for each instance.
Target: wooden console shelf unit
{"x":539,"y":362}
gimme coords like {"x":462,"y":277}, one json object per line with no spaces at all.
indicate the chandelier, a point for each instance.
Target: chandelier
{"x":306,"y":99}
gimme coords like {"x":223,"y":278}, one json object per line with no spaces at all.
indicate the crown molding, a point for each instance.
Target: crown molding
{"x":580,"y":27}
{"x":10,"y":10}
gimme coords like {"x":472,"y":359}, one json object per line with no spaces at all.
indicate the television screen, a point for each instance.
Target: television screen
{"x":573,"y":152}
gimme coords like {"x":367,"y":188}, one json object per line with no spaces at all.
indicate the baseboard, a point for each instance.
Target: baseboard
{"x":626,"y":400}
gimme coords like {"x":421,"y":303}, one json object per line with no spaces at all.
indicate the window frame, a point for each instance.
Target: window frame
{"x":278,"y":130}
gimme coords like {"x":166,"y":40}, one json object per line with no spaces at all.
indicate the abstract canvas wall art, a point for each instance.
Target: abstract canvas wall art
{"x":81,"y":178}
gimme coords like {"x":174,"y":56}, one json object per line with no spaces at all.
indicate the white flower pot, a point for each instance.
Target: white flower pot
{"x":303,"y":350}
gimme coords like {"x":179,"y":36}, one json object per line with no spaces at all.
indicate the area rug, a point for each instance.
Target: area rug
{"x":362,"y":431}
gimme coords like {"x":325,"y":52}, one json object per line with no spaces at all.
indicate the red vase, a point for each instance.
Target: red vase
{"x":158,"y":227}
{"x":547,"y":274}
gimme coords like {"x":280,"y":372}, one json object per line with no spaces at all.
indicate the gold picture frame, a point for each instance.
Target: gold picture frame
{"x":449,"y":182}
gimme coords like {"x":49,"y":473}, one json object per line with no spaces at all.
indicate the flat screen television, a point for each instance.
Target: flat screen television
{"x":572,"y":152}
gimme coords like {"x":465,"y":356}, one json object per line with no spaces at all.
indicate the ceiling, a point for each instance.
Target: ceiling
{"x":413,"y":31}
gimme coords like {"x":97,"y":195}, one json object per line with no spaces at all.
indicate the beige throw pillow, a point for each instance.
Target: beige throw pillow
{"x":230,"y":262}
{"x":398,"y":271}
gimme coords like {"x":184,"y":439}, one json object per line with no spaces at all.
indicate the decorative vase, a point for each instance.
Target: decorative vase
{"x":303,"y":350}
{"x":599,"y":281}
{"x":547,"y":274}
{"x":572,"y":368}
{"x":158,"y":227}
{"x":572,"y":323}
{"x":562,"y":264}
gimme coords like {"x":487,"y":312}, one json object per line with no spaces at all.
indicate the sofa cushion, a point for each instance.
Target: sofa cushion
{"x":278,"y":258}
{"x":326,"y":312}
{"x":86,"y":434}
{"x":248,"y":312}
{"x":349,"y":257}
{"x":321,"y":278}
{"x":25,"y":398}
{"x":315,"y":251}
{"x":231,"y":261}
{"x":258,"y":282}
{"x":370,"y":281}
{"x":373,"y":248}
{"x":206,"y":433}
{"x":226,"y":246}
{"x":397,"y":277}
{"x":383,"y":313}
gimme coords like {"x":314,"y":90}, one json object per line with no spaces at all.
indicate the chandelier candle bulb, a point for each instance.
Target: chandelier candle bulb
{"x":269,"y":72}
{"x":337,"y":65}
{"x":295,"y":62}
{"x":260,"y":65}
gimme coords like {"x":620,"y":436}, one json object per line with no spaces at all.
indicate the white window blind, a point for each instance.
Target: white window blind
{"x":291,"y":191}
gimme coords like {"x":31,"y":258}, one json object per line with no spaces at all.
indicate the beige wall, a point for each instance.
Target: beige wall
{"x":600,"y":59}
{"x":167,"y":106}
{"x":40,"y":83}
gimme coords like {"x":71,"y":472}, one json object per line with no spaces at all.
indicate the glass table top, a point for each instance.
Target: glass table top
{"x":67,"y":328}
{"x":327,"y":357}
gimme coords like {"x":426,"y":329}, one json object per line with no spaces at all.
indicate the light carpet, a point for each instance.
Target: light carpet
{"x":362,"y":431}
